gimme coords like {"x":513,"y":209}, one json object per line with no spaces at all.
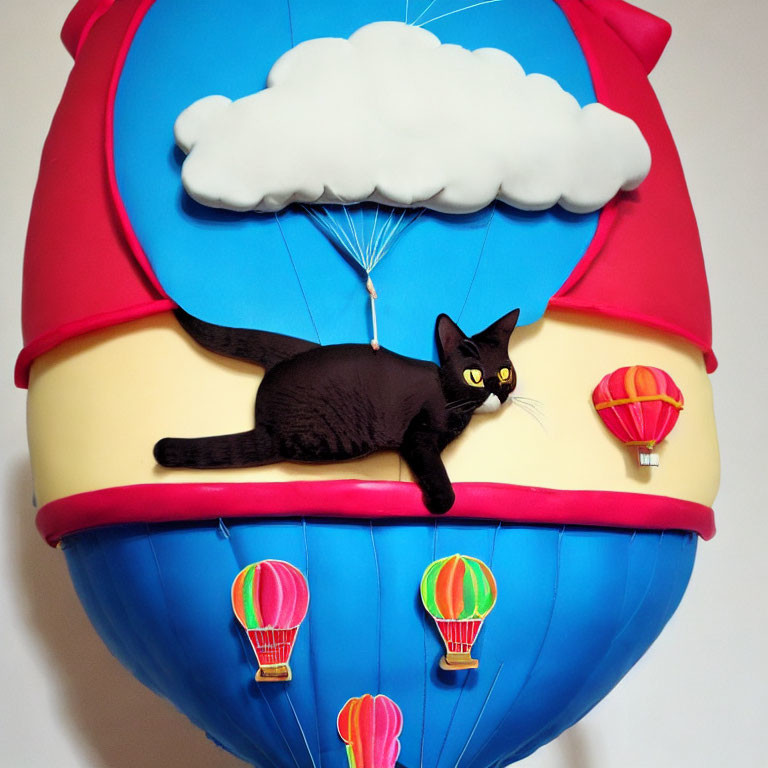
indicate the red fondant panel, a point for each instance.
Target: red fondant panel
{"x":647,"y":265}
{"x":78,"y":264}
{"x":185,"y":502}
{"x":80,"y":21}
{"x":84,"y":269}
{"x":647,"y":35}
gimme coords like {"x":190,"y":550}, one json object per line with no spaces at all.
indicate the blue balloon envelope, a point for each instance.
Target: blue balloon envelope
{"x":576,"y":609}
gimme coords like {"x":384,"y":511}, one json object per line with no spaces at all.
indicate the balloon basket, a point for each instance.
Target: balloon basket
{"x":647,"y":458}
{"x":458,"y":637}
{"x":273,"y":649}
{"x":278,"y":673}
{"x":454,"y":661}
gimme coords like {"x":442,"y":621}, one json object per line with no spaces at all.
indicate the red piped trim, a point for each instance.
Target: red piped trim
{"x":48,"y":341}
{"x":109,"y":145}
{"x":80,"y":22}
{"x":609,"y":212}
{"x":188,"y":502}
{"x":605,"y":222}
{"x":576,"y":305}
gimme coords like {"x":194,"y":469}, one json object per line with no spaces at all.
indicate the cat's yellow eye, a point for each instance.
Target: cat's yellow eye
{"x":473,"y":377}
{"x":504,"y":374}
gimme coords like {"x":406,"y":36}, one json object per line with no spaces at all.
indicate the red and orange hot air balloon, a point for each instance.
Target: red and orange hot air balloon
{"x":370,"y":726}
{"x":640,"y":405}
{"x":270,"y":600}
{"x":458,"y":592}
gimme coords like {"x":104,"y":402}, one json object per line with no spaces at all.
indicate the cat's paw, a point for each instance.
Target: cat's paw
{"x":439,"y":502}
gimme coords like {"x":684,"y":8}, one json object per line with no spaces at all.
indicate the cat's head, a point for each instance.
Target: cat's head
{"x":476,"y":371}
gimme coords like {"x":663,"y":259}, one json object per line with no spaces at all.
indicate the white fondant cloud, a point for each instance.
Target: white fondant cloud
{"x":393,"y":116}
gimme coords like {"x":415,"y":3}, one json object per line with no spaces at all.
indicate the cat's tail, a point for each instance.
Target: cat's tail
{"x":244,"y":449}
{"x":261,"y":347}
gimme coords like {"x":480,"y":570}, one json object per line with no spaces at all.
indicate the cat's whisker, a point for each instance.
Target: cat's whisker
{"x":526,"y":408}
{"x":524,"y":401}
{"x":458,"y":402}
{"x":533,"y":411}
{"x":535,"y":416}
{"x":467,"y":406}
{"x":461,"y":406}
{"x":534,"y":405}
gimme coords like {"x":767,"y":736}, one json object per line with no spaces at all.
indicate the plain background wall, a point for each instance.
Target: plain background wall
{"x":698,"y":698}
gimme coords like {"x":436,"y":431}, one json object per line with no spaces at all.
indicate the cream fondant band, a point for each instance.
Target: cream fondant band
{"x":98,"y":403}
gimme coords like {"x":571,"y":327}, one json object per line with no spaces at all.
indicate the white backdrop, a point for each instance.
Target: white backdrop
{"x":698,"y":698}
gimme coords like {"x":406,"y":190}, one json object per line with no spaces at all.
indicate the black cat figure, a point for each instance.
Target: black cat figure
{"x":332,"y":403}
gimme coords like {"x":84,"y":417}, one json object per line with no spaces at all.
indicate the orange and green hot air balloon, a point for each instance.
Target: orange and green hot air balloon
{"x":370,"y":727}
{"x":270,"y":600}
{"x":458,"y":592}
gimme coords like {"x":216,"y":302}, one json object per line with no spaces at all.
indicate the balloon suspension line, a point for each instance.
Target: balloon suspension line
{"x":367,"y":240}
{"x":372,"y":291}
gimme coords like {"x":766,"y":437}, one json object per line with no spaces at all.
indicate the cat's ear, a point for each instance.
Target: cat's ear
{"x":497,"y":334}
{"x":449,"y":336}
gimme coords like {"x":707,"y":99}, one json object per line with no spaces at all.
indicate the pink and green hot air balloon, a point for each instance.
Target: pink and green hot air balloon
{"x":458,"y":592}
{"x":370,"y":726}
{"x":270,"y":600}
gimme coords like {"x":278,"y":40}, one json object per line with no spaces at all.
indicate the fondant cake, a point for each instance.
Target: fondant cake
{"x":448,"y":252}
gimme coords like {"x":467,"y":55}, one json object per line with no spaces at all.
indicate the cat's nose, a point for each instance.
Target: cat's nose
{"x":495,"y":386}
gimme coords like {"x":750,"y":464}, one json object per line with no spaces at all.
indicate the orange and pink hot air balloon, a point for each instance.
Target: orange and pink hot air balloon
{"x":370,"y":726}
{"x":639,"y":405}
{"x":270,"y":600}
{"x":458,"y":592}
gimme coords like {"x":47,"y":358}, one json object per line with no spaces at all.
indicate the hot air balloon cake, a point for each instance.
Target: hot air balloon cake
{"x":370,"y":726}
{"x":314,"y":301}
{"x":640,"y":406}
{"x":270,"y":600}
{"x":458,"y":592}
